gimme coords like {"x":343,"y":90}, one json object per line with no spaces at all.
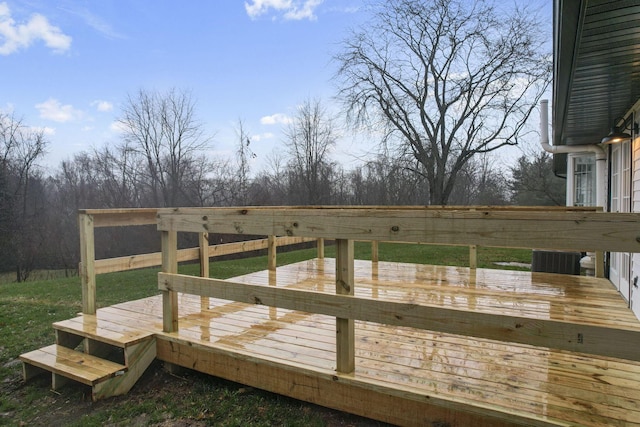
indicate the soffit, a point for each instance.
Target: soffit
{"x":596,"y":67}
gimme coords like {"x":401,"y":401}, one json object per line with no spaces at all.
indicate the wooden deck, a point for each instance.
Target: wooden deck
{"x":403,"y":375}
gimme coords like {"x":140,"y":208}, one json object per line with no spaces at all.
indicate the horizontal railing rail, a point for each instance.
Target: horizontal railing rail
{"x":90,"y":219}
{"x":132,"y":262}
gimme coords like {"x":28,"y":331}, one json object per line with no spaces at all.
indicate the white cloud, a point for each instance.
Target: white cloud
{"x":14,"y":36}
{"x":290,"y":9}
{"x":102,"y":106}
{"x":95,"y":22}
{"x":46,"y":130}
{"x":304,"y":12}
{"x":262,"y":137}
{"x":52,"y":109}
{"x":275,"y":119}
{"x":118,"y":127}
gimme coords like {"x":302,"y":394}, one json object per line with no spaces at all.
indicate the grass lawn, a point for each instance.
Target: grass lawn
{"x":28,"y":309}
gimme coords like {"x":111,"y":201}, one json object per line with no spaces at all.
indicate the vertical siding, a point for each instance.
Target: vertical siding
{"x":635,"y":207}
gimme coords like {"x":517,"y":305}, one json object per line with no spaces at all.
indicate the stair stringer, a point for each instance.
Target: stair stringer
{"x":138,"y":357}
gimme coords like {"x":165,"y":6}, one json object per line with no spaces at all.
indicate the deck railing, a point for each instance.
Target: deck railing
{"x":89,"y":268}
{"x":90,"y":219}
{"x":566,"y":229}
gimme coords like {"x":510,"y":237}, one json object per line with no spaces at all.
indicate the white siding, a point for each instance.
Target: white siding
{"x":635,"y":207}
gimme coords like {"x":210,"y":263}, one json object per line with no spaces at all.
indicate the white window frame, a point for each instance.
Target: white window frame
{"x":581,"y":179}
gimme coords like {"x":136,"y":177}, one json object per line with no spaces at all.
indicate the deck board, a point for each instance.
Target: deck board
{"x":509,"y":381}
{"x":81,"y":367}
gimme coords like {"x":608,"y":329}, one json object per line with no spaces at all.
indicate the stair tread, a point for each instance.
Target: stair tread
{"x":90,"y":326}
{"x":81,"y":367}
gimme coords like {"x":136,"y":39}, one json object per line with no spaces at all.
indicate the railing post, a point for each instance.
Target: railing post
{"x":203,"y":240}
{"x":345,"y":331}
{"x":272,"y":249}
{"x":169,"y":265}
{"x":320,"y":246}
{"x":87,"y":263}
{"x":599,"y":264}
{"x":374,"y":251}
{"x":473,"y":257}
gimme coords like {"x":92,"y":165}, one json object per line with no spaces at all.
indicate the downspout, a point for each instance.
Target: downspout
{"x":587,"y":262}
{"x":601,"y":155}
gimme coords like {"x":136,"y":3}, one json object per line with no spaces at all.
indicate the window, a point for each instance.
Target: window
{"x":584,"y":180}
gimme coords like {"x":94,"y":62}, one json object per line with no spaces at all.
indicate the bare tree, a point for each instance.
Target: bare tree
{"x":447,"y":79}
{"x":162,"y":127}
{"x":21,"y":195}
{"x":480,"y":182}
{"x":244,"y":157}
{"x":310,"y":137}
{"x":386,"y":181}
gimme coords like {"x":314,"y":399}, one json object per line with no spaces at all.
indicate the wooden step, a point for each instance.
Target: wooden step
{"x":72,"y":364}
{"x":89,"y":326}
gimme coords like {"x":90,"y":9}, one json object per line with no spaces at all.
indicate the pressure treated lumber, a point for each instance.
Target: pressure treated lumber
{"x":169,"y":241}
{"x":120,"y":217}
{"x":333,"y":390}
{"x":566,"y":230}
{"x":103,"y":342}
{"x":80,"y":367}
{"x":586,"y":338}
{"x":345,"y":329}
{"x":404,"y":375}
{"x":89,"y":326}
{"x":132,"y":262}
{"x":87,"y":263}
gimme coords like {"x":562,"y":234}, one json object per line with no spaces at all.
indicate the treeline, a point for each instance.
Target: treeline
{"x":160,"y":161}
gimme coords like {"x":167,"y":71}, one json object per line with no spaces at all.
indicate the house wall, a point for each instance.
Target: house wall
{"x":635,"y":207}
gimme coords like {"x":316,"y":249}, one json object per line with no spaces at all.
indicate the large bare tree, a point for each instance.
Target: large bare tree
{"x":445,"y":80}
{"x":163,"y":128}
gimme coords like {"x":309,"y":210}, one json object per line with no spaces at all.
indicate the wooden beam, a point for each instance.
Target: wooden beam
{"x":170,"y":297}
{"x":473,"y":256}
{"x":585,"y":338}
{"x":599,"y":263}
{"x":320,"y":247}
{"x":203,"y":241}
{"x":396,"y":405}
{"x":565,"y":230}
{"x":122,"y":217}
{"x":375,"y":248}
{"x":132,"y":262}
{"x":272,"y":253}
{"x":345,"y":327}
{"x":87,"y":263}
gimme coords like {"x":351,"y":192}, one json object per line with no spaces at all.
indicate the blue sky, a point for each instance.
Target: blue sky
{"x":67,"y":66}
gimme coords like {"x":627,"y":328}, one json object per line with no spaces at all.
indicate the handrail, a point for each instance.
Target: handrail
{"x":89,"y":219}
{"x":132,"y":262}
{"x":89,"y":267}
{"x":561,"y":335}
{"x":572,"y":229}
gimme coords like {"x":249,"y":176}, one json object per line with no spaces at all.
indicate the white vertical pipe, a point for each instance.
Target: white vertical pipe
{"x":601,"y":155}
